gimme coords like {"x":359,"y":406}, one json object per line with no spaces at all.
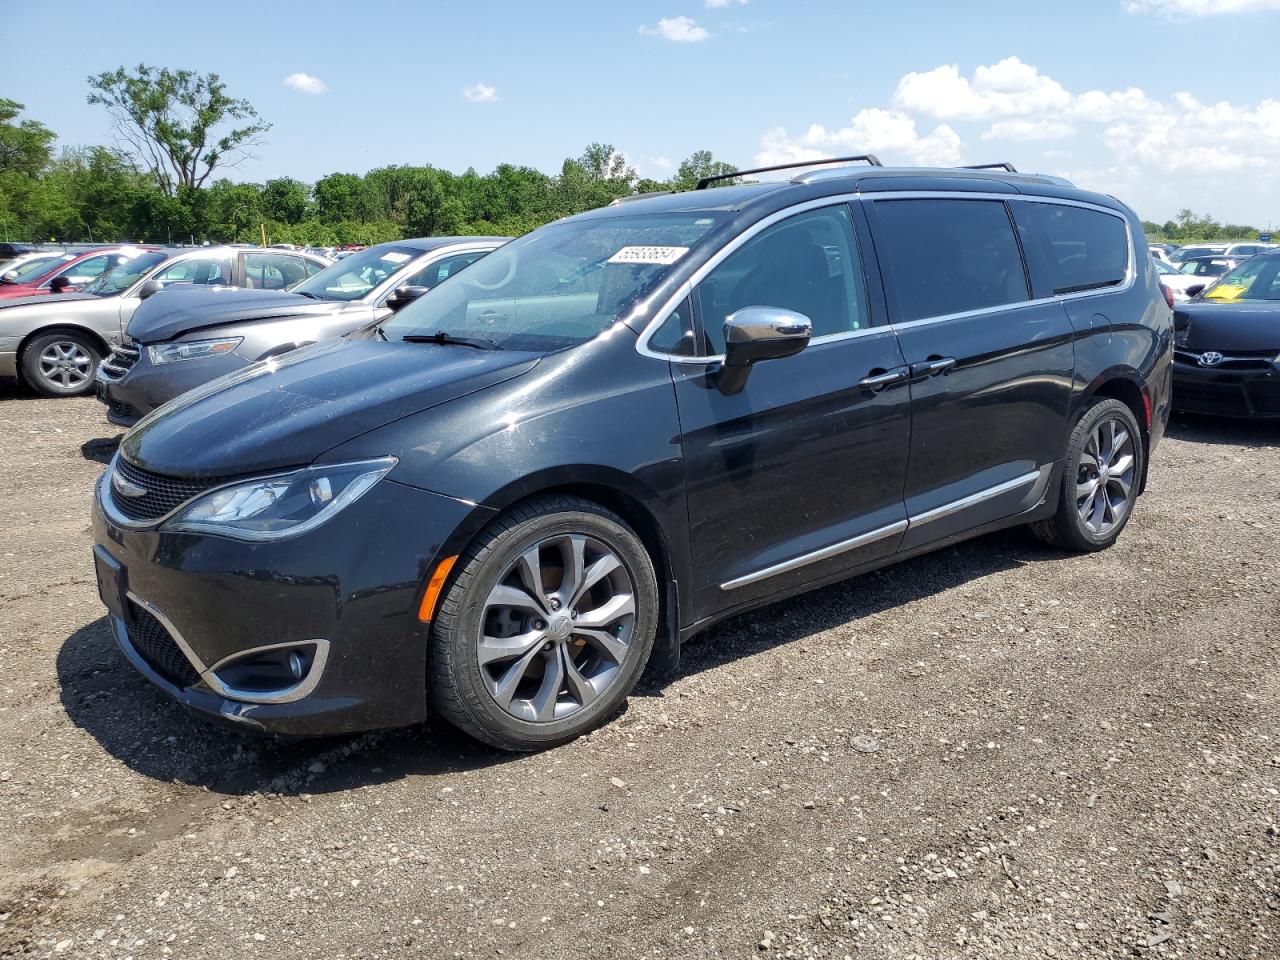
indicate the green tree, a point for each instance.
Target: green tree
{"x":171,"y":120}
{"x":25,"y":148}
{"x":285,"y":200}
{"x":702,"y":164}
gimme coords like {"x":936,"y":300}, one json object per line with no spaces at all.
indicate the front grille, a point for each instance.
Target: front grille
{"x":1240,"y":362}
{"x":119,"y":362}
{"x":1264,"y":395}
{"x":162,"y":494}
{"x":148,"y":636}
{"x":1209,"y":398}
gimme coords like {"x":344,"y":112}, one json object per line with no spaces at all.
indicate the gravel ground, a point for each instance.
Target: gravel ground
{"x":996,"y":749}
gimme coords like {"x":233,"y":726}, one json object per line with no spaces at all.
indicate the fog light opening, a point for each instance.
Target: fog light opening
{"x":272,"y":674}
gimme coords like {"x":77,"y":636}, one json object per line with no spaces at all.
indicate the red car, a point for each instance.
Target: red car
{"x":71,"y":272}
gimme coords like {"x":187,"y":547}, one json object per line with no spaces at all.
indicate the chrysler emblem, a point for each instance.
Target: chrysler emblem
{"x":1211,"y":358}
{"x":123,"y":486}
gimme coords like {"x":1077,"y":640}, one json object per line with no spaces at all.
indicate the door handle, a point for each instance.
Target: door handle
{"x":931,"y":367}
{"x":878,"y":381}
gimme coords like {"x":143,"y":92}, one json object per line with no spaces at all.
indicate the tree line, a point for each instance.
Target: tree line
{"x":178,"y":132}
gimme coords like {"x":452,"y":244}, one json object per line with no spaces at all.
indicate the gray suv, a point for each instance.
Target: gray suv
{"x":188,"y":337}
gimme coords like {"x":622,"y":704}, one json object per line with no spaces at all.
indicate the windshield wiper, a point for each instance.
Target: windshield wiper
{"x":440,"y":337}
{"x":304,"y":293}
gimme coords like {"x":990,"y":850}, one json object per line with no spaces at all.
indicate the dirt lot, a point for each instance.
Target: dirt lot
{"x":993,"y":750}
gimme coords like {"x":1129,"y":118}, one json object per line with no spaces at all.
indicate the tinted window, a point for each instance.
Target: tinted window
{"x":442,"y":270}
{"x":1088,"y":250}
{"x":197,"y":270}
{"x":951,"y":256}
{"x":273,"y":271}
{"x":676,"y":333}
{"x":90,"y":268}
{"x":808,"y":263}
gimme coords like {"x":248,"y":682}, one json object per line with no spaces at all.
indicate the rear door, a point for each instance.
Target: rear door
{"x":991,"y":365}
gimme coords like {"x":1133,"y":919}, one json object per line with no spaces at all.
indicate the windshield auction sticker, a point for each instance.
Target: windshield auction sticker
{"x":662,"y":255}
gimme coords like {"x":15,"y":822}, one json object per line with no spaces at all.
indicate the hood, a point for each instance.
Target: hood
{"x":1246,"y":326}
{"x":286,"y":412}
{"x":44,"y":299}
{"x":174,"y":312}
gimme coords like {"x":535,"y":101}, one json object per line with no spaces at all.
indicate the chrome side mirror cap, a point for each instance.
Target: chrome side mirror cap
{"x":753,"y":334}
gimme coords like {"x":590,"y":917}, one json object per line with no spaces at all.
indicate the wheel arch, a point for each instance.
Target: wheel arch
{"x":56,"y":327}
{"x":1126,"y":386}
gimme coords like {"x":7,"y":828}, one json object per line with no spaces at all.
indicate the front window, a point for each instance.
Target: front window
{"x":197,"y":271}
{"x":354,"y":276}
{"x":558,"y":286}
{"x":1257,"y":279}
{"x":116,"y":281}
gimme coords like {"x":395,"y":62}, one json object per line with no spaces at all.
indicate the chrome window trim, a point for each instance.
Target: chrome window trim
{"x":1035,"y":478}
{"x":669,"y":306}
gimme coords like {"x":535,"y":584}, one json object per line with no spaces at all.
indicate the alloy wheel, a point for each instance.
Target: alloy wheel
{"x":66,"y":364}
{"x":1104,"y":482}
{"x":556,"y":628}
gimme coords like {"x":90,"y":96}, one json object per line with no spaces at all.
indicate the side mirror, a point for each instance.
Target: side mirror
{"x":1195,"y":289}
{"x":149,"y":288}
{"x":403,"y":296}
{"x":10,"y":277}
{"x":753,"y":334}
{"x":59,"y":284}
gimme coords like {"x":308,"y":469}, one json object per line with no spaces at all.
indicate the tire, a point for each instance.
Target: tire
{"x":1086,"y":520}
{"x":61,"y":363}
{"x":536,"y":639}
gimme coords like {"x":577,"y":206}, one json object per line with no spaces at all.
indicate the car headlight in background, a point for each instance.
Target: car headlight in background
{"x":283,"y":506}
{"x":191,"y":349}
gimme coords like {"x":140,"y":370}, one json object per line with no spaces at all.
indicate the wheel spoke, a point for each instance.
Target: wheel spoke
{"x":573,"y":549}
{"x":1086,"y":489}
{"x":1122,"y":464}
{"x":616,"y":607}
{"x":1121,"y":484}
{"x":1100,"y":505}
{"x":544,"y":701}
{"x":1088,"y":459}
{"x":529,"y":567}
{"x":594,"y":574}
{"x":505,"y":688}
{"x":494,"y":649}
{"x":613,"y":647}
{"x":578,"y":685}
{"x":504,"y":595}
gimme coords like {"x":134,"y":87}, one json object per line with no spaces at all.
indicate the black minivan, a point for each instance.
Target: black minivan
{"x":559,"y":464}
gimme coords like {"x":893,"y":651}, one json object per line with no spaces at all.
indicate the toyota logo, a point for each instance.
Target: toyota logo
{"x":1211,"y":358}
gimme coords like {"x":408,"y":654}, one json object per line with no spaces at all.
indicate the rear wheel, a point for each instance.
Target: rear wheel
{"x":546,"y":626}
{"x":1104,"y":464}
{"x":61,"y":363}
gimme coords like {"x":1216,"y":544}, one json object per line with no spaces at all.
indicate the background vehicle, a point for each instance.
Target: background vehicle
{"x":10,"y":250}
{"x":69,"y":274}
{"x":1207,"y":268}
{"x":1227,"y":359}
{"x":55,"y":342}
{"x":188,"y":337}
{"x":26,"y":265}
{"x":624,"y":426}
{"x":1161,"y":251}
{"x":1177,"y":281}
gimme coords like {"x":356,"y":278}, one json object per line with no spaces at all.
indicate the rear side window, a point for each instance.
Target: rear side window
{"x":951,"y":256}
{"x":442,"y":270}
{"x":1088,"y":249}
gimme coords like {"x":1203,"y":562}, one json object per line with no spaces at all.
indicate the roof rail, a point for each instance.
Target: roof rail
{"x":863,"y":158}
{"x":1004,"y":165}
{"x":639,"y":196}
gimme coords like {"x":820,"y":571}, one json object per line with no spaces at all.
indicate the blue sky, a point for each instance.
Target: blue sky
{"x":1165,"y":103}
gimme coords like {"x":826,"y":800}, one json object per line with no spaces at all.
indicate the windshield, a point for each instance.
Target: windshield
{"x":557,"y":286}
{"x":1254,"y":279}
{"x":124,"y":276}
{"x":354,"y":276}
{"x":1164,"y":268}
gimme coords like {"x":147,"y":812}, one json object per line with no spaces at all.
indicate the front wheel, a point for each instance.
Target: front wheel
{"x":60,"y":363}
{"x":1105,"y":458}
{"x":545,"y":627}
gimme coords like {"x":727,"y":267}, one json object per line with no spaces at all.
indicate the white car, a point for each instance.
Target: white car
{"x":1177,"y":282}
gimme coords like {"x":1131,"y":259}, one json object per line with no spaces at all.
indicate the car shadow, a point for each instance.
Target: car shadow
{"x":1234,"y":431}
{"x":146,"y":730}
{"x":11,"y":388}
{"x":854,"y":600}
{"x":100,"y":449}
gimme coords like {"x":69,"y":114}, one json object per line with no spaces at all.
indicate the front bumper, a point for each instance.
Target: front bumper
{"x":353,"y":583}
{"x":132,"y":386}
{"x":1243,"y":391}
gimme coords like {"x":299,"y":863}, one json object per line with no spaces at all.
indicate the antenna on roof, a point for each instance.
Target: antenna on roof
{"x":861,"y":158}
{"x":1002,"y":165}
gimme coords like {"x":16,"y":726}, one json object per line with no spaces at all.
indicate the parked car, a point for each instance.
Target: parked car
{"x":1227,"y":359}
{"x":1235,"y":250}
{"x":10,"y":250}
{"x":55,"y":342}
{"x":68,"y":275}
{"x":624,"y":426}
{"x":1161,"y":251}
{"x":27,"y":265}
{"x":188,"y":337}
{"x":1208,"y":268}
{"x":1177,"y":282}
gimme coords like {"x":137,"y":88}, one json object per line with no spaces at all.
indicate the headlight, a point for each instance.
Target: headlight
{"x":191,"y":349}
{"x":283,"y":506}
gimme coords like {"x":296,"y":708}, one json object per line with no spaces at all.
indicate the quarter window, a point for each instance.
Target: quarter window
{"x":951,"y":256}
{"x":273,"y":271}
{"x":808,"y":263}
{"x":197,"y":270}
{"x":1088,"y":249}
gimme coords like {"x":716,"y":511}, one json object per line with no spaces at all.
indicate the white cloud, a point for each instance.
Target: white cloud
{"x":1023,"y":130}
{"x":480,"y":93}
{"x":877,"y":131}
{"x":662,"y":163}
{"x":305,"y":83}
{"x":679,"y":29}
{"x":1007,"y":88}
{"x":1185,"y":9}
{"x":723,"y":3}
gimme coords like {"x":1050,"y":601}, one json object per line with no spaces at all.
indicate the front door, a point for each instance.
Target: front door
{"x":800,"y":475}
{"x":991,"y":367}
